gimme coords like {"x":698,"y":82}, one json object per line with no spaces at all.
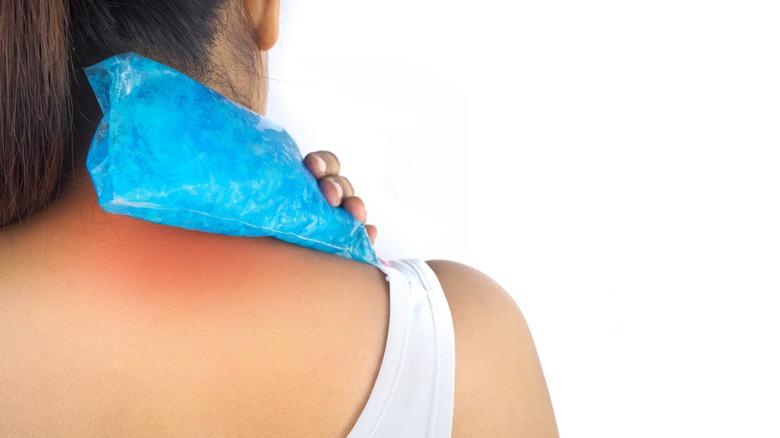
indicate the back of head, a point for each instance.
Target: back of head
{"x":48,"y":113}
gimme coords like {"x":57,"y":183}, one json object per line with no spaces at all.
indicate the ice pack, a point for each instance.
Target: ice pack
{"x":172,"y":151}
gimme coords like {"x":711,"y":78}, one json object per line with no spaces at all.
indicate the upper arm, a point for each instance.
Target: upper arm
{"x":499,"y":385}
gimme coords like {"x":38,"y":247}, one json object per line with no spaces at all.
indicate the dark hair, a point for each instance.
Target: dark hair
{"x":48,"y":113}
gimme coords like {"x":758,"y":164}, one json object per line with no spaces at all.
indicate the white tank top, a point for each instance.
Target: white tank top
{"x":414,"y":392}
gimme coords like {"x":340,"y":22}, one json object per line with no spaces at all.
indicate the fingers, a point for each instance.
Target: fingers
{"x":325,"y":167}
{"x":336,"y":189}
{"x":322,"y":164}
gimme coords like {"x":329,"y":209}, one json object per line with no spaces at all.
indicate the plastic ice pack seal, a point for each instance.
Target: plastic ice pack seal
{"x":172,"y":151}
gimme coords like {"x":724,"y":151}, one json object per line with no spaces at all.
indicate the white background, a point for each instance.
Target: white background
{"x":614,"y":165}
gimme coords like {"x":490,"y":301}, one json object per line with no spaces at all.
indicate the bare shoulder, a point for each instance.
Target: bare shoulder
{"x":499,"y":385}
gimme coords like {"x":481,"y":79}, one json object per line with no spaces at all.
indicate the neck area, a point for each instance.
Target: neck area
{"x":76,"y":239}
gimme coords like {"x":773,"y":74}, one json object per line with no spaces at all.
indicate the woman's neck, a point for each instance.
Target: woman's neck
{"x":75,"y":236}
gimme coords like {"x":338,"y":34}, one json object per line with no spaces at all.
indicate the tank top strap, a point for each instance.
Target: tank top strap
{"x":414,"y":392}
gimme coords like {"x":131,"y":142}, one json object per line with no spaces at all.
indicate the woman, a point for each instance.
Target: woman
{"x":111,"y":326}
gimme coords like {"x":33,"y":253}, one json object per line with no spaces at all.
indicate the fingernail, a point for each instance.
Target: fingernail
{"x":319,"y":163}
{"x":339,"y":192}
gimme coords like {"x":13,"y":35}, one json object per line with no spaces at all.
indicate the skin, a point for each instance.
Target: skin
{"x":111,"y":326}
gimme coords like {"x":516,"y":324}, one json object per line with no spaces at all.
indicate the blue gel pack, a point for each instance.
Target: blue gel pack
{"x":172,"y":151}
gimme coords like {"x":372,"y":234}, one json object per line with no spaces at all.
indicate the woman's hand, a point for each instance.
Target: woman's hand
{"x":337,"y":190}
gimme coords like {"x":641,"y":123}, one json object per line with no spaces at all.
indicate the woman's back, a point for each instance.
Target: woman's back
{"x":256,"y":336}
{"x":115,"y":327}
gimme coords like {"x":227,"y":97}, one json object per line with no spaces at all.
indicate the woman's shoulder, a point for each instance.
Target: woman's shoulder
{"x":499,"y":385}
